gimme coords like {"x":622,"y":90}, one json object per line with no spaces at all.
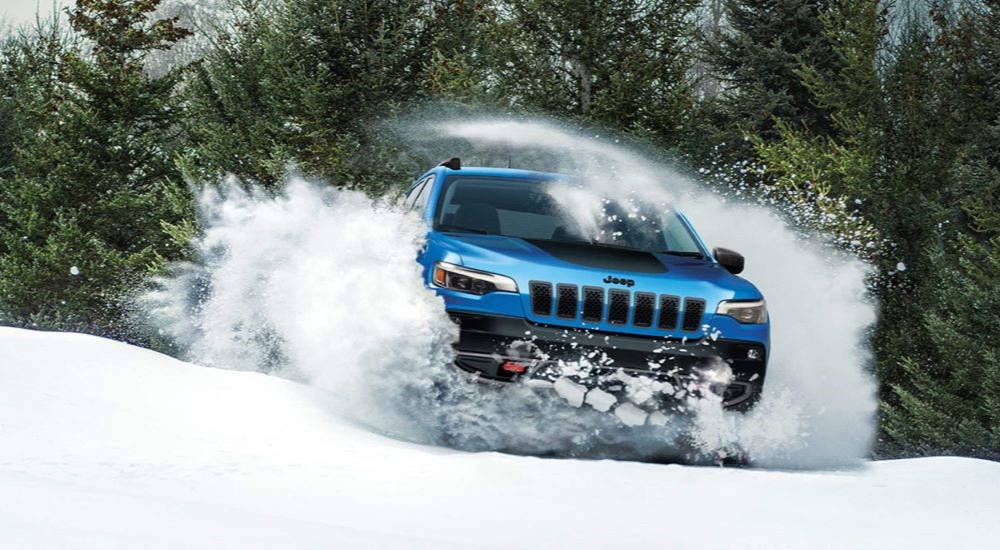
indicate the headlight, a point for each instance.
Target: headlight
{"x":745,"y":312}
{"x":458,"y":278}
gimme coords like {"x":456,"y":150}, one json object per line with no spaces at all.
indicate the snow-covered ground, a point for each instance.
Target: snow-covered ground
{"x":103,"y":445}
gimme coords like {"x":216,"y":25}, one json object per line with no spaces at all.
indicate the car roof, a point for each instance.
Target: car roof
{"x":486,"y":171}
{"x":504,"y":172}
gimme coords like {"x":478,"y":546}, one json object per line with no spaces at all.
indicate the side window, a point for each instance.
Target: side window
{"x":677,"y":236}
{"x":414,"y":193}
{"x":425,"y":195}
{"x":418,"y":196}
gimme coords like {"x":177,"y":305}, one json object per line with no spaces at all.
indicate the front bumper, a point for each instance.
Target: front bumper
{"x":487,"y":342}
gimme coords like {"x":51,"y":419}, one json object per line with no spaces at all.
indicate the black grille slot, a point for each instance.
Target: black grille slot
{"x":694,"y":308}
{"x":642,"y":312}
{"x":593,"y":303}
{"x":541,"y":298}
{"x":566,"y":301}
{"x":618,"y":306}
{"x":668,"y":312}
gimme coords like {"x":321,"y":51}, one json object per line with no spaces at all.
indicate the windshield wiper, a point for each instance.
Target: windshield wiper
{"x":681,"y":253}
{"x":594,"y":242}
{"x":460,"y":229}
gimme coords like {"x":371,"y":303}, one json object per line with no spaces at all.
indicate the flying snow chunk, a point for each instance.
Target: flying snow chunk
{"x":74,"y":270}
{"x":900,"y":266}
{"x":601,"y":400}
{"x":572,"y":392}
{"x":656,"y":418}
{"x":630,"y":415}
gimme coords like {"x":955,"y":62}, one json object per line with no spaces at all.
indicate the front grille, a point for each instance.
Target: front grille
{"x":593,"y":304}
{"x":669,"y":306}
{"x":618,"y":306}
{"x":566,"y":301}
{"x":642,"y":314}
{"x":641,"y":309}
{"x":541,"y":298}
{"x":694,"y":308}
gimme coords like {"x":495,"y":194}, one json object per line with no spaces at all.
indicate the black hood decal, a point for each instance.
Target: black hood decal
{"x":610,"y":259}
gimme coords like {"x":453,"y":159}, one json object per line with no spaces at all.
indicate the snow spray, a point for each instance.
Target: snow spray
{"x":321,"y":285}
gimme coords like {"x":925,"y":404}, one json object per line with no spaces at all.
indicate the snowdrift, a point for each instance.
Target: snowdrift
{"x":103,"y":445}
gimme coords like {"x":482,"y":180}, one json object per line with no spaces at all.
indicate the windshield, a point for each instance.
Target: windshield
{"x":527,"y":210}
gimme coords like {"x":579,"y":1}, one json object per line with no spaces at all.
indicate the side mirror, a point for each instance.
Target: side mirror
{"x":729,"y":259}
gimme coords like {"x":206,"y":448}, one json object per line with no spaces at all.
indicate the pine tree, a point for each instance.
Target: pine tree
{"x":948,"y":397}
{"x":467,"y":39}
{"x":948,"y":401}
{"x":9,"y":88}
{"x":622,"y":64}
{"x":306,"y":84}
{"x":756,"y":59}
{"x":88,"y":194}
{"x":826,"y":175}
{"x":28,"y":71}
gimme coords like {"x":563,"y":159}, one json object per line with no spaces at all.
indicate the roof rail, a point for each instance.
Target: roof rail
{"x":453,"y":163}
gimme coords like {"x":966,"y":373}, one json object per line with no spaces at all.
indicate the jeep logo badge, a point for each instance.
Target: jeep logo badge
{"x":616,"y":281}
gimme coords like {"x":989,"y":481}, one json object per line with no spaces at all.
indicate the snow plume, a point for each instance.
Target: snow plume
{"x":321,"y":285}
{"x":314,"y":284}
{"x":819,"y":403}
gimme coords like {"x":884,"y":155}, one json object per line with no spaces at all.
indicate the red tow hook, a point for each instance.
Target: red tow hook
{"x":511,"y":366}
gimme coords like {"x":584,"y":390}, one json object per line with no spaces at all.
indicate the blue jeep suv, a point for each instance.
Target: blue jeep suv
{"x":532,"y":293}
